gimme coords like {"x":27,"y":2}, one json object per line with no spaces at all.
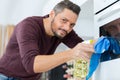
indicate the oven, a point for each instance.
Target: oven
{"x":107,"y":23}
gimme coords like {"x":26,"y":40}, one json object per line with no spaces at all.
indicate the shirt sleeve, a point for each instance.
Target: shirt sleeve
{"x":72,"y":39}
{"x":26,"y":34}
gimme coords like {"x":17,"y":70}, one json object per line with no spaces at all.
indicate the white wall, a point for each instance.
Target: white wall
{"x":84,"y":27}
{"x":13,"y":11}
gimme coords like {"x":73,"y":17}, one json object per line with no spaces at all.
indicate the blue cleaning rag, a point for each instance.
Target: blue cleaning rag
{"x":103,"y":44}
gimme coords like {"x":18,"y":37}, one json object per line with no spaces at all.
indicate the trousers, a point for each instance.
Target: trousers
{"x":4,"y":77}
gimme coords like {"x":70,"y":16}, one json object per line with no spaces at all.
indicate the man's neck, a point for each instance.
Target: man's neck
{"x":47,"y":26}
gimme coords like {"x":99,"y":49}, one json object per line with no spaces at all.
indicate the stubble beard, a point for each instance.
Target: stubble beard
{"x":54,"y":32}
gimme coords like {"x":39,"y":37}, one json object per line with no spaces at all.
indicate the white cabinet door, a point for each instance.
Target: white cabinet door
{"x":101,"y":4}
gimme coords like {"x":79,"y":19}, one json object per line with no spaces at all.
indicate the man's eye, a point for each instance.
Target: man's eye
{"x":64,"y":20}
{"x":72,"y":25}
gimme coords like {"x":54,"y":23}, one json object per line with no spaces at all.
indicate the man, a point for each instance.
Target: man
{"x":30,"y":49}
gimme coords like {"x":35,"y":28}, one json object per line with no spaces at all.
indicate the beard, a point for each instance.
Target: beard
{"x":55,"y":32}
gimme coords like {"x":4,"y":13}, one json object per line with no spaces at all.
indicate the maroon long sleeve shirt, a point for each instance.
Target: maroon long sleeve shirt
{"x":27,"y":41}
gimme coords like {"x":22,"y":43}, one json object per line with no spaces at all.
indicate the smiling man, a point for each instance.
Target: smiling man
{"x":30,"y":50}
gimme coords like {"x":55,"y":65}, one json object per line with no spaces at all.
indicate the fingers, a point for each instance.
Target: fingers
{"x":64,"y":66}
{"x":86,"y":47}
{"x":84,"y":56}
{"x":67,"y":76}
{"x":83,"y":51}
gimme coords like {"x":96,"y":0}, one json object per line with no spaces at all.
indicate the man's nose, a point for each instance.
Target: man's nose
{"x":67,"y":27}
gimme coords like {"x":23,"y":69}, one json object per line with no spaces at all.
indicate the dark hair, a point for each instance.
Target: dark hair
{"x":66,"y":4}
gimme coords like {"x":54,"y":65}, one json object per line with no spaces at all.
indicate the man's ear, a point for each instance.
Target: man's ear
{"x":52,"y":14}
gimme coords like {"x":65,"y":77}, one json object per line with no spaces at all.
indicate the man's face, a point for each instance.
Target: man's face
{"x":63,"y":23}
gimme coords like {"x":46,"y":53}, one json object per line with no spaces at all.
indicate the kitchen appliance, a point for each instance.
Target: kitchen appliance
{"x":107,"y":23}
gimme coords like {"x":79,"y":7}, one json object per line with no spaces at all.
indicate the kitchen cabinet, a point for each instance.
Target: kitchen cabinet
{"x":8,"y":31}
{"x":0,"y":39}
{"x":101,"y":4}
{"x":5,"y":33}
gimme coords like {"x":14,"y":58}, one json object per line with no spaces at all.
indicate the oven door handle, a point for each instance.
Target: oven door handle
{"x":110,"y":13}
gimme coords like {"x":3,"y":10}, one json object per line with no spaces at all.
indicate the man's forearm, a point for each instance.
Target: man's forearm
{"x":44,"y":63}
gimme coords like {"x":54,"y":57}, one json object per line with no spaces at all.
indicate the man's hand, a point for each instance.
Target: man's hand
{"x":82,"y":51}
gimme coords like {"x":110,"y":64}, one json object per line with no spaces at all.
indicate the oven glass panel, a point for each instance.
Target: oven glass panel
{"x":111,"y":29}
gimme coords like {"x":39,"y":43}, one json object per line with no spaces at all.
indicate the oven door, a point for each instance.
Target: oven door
{"x":107,"y":23}
{"x":109,"y":14}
